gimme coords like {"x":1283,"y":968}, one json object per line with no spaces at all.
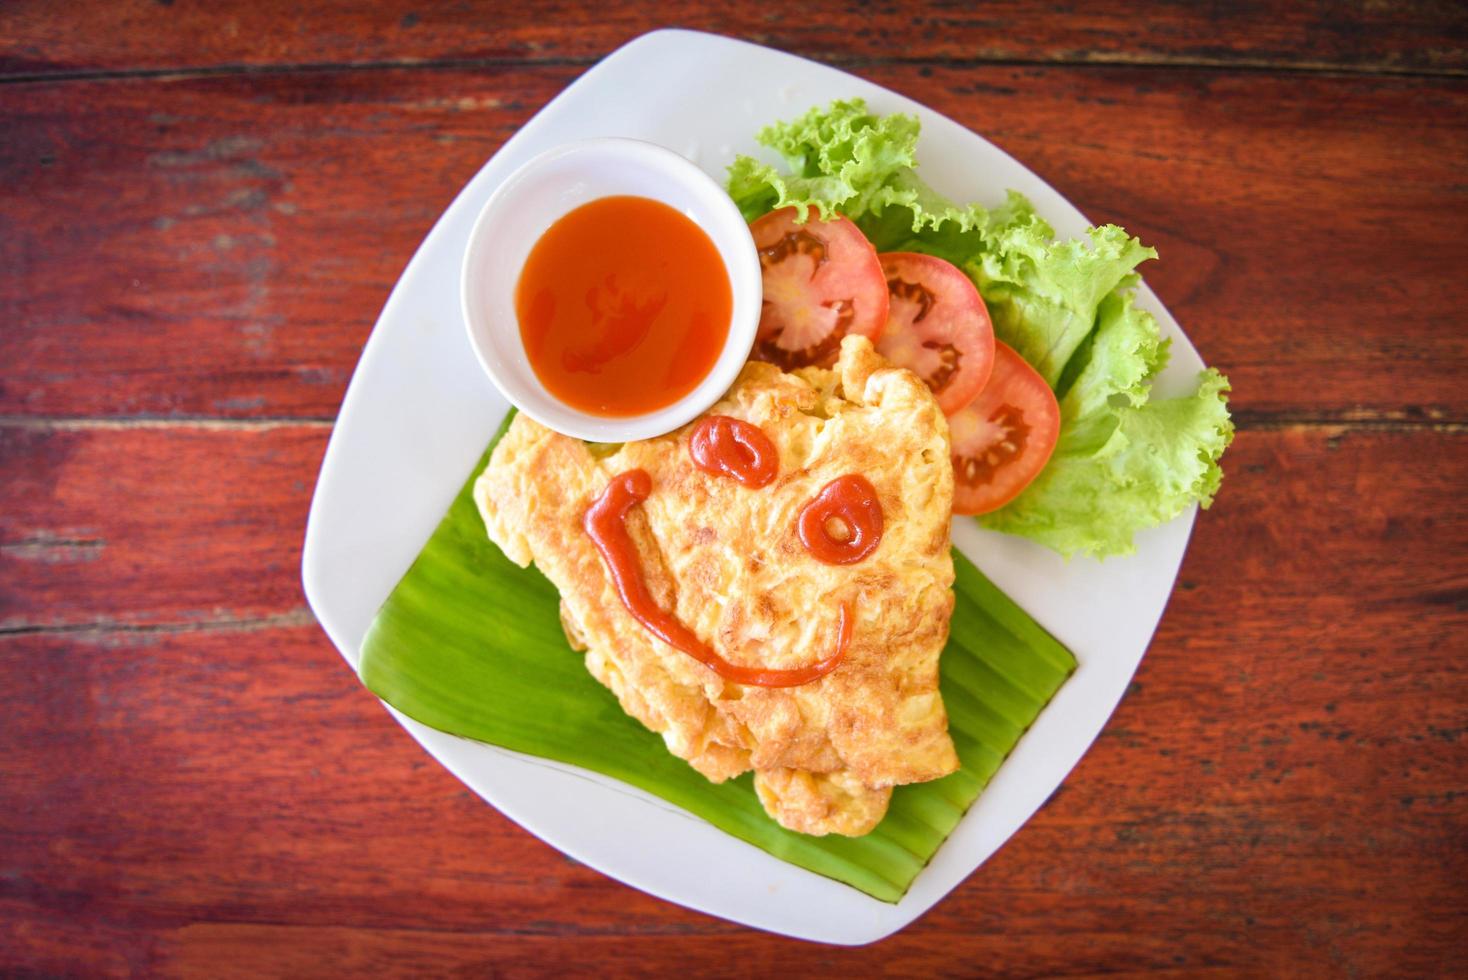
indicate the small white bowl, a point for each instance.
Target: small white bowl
{"x":530,"y":201}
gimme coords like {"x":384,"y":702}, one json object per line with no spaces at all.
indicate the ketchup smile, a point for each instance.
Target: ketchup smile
{"x":605,"y":523}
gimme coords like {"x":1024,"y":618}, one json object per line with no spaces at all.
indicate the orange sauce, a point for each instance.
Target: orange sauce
{"x":624,"y":306}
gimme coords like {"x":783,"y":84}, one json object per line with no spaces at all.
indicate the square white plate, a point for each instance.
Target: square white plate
{"x":419,"y":412}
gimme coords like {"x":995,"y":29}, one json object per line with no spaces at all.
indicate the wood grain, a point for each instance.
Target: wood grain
{"x":203,"y":208}
{"x":128,"y":527}
{"x":37,"y":39}
{"x":221,"y":246}
{"x":1279,"y":793}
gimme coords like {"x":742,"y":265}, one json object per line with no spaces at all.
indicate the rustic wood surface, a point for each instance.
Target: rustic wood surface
{"x":202,"y":209}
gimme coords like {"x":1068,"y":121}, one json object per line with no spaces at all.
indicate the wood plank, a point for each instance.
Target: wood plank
{"x":1409,"y":35}
{"x":134,"y":527}
{"x":1279,"y":793}
{"x":221,"y":246}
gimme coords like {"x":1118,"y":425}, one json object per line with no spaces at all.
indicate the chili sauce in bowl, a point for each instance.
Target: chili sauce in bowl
{"x":611,"y":289}
{"x":623,"y":306}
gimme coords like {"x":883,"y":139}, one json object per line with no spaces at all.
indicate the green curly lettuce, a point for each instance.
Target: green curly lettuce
{"x":1124,"y":461}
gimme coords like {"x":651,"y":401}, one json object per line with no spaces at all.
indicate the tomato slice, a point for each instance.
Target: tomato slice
{"x":822,"y":281}
{"x":937,"y":327}
{"x":1004,"y":438}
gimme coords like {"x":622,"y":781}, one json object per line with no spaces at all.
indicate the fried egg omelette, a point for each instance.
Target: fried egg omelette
{"x":727,"y":562}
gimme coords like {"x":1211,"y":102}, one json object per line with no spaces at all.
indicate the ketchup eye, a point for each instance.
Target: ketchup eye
{"x":843,"y":523}
{"x":731,"y":447}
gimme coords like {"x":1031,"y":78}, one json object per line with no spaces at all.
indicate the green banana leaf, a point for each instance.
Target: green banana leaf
{"x":470,"y":644}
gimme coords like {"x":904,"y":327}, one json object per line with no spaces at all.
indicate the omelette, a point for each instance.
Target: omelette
{"x":728,"y":562}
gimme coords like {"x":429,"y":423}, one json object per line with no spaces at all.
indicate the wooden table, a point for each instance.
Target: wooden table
{"x":203,"y":210}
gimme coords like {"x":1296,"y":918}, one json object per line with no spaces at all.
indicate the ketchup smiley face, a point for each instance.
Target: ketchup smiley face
{"x":841,"y":525}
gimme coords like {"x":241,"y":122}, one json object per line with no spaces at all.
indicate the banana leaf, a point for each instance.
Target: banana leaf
{"x":470,"y":644}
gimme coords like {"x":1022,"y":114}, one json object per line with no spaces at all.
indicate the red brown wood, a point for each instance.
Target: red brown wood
{"x":193,"y":783}
{"x":128,"y":526}
{"x":251,"y":227}
{"x":36,"y":38}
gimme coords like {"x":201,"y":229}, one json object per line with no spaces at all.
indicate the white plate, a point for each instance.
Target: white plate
{"x":420,"y":410}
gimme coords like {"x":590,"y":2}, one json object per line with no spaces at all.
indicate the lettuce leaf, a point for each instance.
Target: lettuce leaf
{"x":839,"y":157}
{"x":1043,"y":296}
{"x":1124,"y":462}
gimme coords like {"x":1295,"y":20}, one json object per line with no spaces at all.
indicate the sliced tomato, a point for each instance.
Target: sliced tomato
{"x":1004,"y":438}
{"x":822,"y":281}
{"x":937,"y":327}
